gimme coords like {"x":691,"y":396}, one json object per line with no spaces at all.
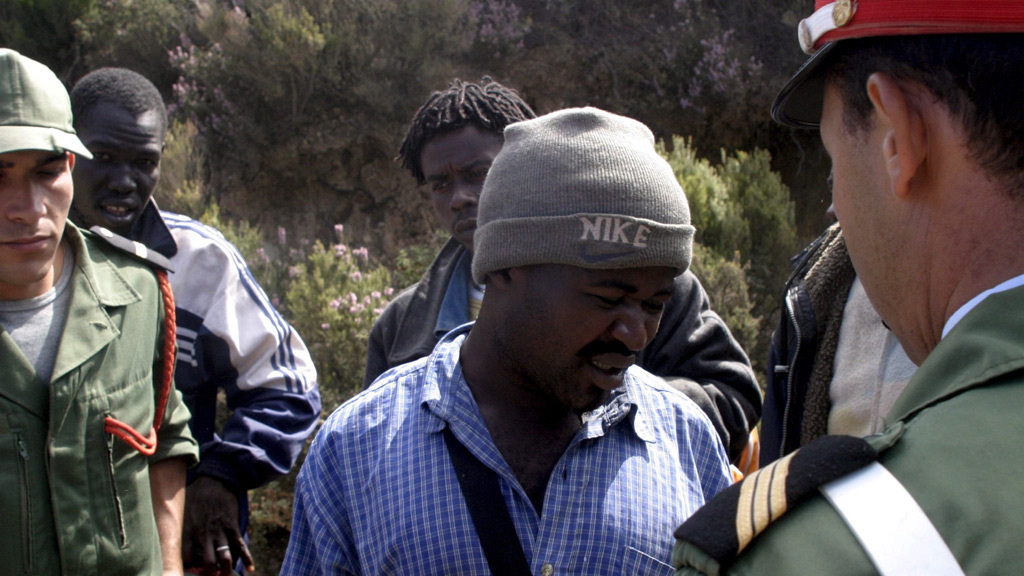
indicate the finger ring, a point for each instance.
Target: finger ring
{"x":224,"y":547}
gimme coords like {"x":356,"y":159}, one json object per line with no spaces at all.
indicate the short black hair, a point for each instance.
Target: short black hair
{"x":488,"y":104}
{"x":978,"y":77}
{"x":122,"y":87}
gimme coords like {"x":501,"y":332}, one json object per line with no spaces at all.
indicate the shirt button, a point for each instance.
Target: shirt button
{"x":547,"y":570}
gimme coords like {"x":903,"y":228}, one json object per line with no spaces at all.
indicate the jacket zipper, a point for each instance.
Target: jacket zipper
{"x":792,"y":369}
{"x":26,"y":513}
{"x":113,"y":491}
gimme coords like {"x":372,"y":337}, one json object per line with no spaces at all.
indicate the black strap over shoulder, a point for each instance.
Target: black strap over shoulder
{"x":724,"y":527}
{"x":491,"y":519}
{"x":137,"y":249}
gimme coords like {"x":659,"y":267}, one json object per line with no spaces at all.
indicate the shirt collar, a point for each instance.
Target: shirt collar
{"x":625,"y":405}
{"x":454,"y":310}
{"x":446,"y":395}
{"x":151,"y":230}
{"x":984,"y":346}
{"x":973,"y":302}
{"x":103,"y":276}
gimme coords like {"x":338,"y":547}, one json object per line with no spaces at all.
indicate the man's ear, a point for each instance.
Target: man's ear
{"x":904,"y":143}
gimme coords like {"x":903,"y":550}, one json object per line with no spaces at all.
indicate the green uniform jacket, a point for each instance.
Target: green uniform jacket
{"x":76,"y":501}
{"x":956,"y":442}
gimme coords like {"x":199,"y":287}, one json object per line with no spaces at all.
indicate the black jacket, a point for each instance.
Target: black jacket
{"x":803,"y":347}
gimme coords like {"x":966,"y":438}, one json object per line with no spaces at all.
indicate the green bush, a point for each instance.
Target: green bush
{"x":334,"y":297}
{"x":746,"y":231}
{"x":725,"y":281}
{"x":412,"y":261}
{"x":714,"y":209}
{"x":135,"y":34}
{"x":43,"y":30}
{"x":768,"y":211}
{"x":331,"y":295}
{"x":181,"y":187}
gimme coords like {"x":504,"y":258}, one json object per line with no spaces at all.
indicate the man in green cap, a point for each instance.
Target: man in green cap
{"x":94,"y":439}
{"x":918,"y":105}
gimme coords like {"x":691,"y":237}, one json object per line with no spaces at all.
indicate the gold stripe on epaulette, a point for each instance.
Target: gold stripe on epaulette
{"x":762,"y":499}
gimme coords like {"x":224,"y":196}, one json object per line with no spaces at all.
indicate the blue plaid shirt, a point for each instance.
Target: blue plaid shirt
{"x":377,"y":493}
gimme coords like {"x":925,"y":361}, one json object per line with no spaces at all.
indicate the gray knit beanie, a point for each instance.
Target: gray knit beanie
{"x":581,"y":187}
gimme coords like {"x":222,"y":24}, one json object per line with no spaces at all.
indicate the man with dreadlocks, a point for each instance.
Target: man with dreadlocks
{"x":450,"y":145}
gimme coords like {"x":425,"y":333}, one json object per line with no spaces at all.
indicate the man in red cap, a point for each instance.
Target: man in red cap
{"x":918,"y":103}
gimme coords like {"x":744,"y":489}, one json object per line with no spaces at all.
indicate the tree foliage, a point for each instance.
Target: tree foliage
{"x":313,"y":96}
{"x":325,"y":89}
{"x":43,"y":30}
{"x":746,"y":232}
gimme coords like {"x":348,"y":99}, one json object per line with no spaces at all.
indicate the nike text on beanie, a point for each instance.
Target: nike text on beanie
{"x":581,"y":187}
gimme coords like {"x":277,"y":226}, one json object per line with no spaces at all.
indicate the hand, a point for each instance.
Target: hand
{"x":212,"y":538}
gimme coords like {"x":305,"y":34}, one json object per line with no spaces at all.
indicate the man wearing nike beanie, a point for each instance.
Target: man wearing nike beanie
{"x":581,"y":187}
{"x":533,"y":421}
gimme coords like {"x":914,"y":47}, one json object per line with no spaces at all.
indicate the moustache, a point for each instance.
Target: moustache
{"x":613,"y":347}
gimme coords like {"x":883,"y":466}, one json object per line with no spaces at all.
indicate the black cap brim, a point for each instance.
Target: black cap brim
{"x":799,"y":103}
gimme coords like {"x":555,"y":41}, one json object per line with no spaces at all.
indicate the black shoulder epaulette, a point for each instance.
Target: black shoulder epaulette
{"x":723,"y":527}
{"x":136,"y":249}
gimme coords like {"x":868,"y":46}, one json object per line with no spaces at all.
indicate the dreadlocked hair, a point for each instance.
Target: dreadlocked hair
{"x":488,"y":104}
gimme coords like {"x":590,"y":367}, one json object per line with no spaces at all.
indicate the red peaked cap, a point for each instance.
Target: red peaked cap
{"x":799,"y":103}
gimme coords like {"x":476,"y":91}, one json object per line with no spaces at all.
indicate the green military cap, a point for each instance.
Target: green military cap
{"x":35,"y":109}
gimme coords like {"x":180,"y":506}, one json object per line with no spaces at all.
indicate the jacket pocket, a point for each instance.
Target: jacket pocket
{"x":25,"y":497}
{"x":115,"y":497}
{"x":638,"y":562}
{"x":28,"y":537}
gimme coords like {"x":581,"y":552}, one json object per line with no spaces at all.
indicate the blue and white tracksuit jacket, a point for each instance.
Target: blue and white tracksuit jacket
{"x":230,"y":337}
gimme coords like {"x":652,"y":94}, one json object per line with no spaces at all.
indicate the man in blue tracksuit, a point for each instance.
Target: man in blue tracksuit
{"x":230,"y":337}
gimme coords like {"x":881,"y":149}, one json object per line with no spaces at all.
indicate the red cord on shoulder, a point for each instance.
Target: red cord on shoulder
{"x":146,"y":445}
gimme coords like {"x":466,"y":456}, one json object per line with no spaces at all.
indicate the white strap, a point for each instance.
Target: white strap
{"x":892,"y":528}
{"x":824,"y":20}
